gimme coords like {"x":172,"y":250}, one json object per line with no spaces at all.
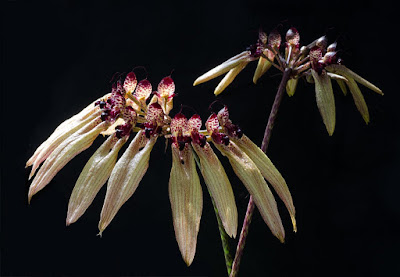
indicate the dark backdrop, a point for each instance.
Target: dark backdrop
{"x":57,"y":56}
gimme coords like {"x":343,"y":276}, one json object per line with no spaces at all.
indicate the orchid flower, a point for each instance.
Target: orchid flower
{"x":128,"y":109}
{"x":318,"y":62}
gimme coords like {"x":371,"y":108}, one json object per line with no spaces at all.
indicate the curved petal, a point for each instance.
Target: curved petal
{"x":358,"y":99}
{"x":251,"y":177}
{"x":68,"y":126}
{"x":126,"y":176}
{"x":222,"y":68}
{"x":66,"y":151}
{"x":343,"y":70}
{"x":219,"y":186}
{"x":262,"y":67}
{"x":186,"y":199}
{"x":229,"y":77}
{"x":325,"y":100}
{"x":93,"y":177}
{"x":269,"y":171}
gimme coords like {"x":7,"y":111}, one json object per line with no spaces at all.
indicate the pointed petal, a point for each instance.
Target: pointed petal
{"x":125,"y":177}
{"x":186,"y":199}
{"x":93,"y":177}
{"x":219,"y":186}
{"x":269,"y":171}
{"x":251,"y":177}
{"x":262,"y":67}
{"x":66,"y":151}
{"x":68,"y":126}
{"x":342,"y":70}
{"x":229,"y":77}
{"x":222,"y":68}
{"x":55,"y":140}
{"x":342,"y":86}
{"x":358,"y":99}
{"x":291,"y":86}
{"x":325,"y":100}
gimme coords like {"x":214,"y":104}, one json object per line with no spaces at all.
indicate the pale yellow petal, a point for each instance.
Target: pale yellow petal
{"x":251,"y":177}
{"x":262,"y":67}
{"x":269,"y":171}
{"x":65,"y":152}
{"x":126,"y":176}
{"x":93,"y":176}
{"x":291,"y":86}
{"x":222,"y":68}
{"x":229,"y":77}
{"x":186,"y":199}
{"x":219,"y":187}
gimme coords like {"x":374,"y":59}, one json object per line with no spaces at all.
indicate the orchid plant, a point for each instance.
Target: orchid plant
{"x":317,"y":62}
{"x":133,"y":109}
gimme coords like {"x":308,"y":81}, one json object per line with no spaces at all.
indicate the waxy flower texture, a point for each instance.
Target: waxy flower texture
{"x":318,"y":62}
{"x":130,"y":111}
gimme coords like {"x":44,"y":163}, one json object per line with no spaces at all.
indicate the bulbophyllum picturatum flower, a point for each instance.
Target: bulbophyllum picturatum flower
{"x":318,"y":62}
{"x":129,"y":109}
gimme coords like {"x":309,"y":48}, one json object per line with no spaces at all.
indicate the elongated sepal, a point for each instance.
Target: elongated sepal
{"x":66,"y":151}
{"x":291,"y":86}
{"x":325,"y":100}
{"x":186,"y":199}
{"x":222,"y":68}
{"x":342,"y":86}
{"x":343,"y":70}
{"x":358,"y":99}
{"x":63,"y":131}
{"x":251,"y":177}
{"x":93,"y":176}
{"x":262,"y":67}
{"x":219,"y":186}
{"x":269,"y":172}
{"x":229,"y":77}
{"x":126,"y":176}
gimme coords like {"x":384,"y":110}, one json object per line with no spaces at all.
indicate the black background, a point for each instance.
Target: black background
{"x":57,"y":56}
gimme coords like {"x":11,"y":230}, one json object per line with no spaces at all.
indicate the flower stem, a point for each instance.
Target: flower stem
{"x":250,"y":206}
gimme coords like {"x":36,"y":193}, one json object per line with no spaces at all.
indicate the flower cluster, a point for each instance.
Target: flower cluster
{"x":318,"y":62}
{"x":128,"y":109}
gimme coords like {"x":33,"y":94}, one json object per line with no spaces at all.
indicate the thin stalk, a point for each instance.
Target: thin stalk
{"x":250,"y":206}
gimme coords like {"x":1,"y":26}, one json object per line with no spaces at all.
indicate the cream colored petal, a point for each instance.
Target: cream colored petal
{"x":325,"y":100}
{"x":125,"y":177}
{"x":61,"y":132}
{"x":269,"y":171}
{"x":229,"y":77}
{"x":219,"y":186}
{"x":262,"y":67}
{"x":358,"y":99}
{"x":291,"y":86}
{"x":186,"y":199}
{"x":343,"y":70}
{"x":65,"y":152}
{"x":93,"y":177}
{"x":57,"y":138}
{"x":222,"y":68}
{"x":251,"y":177}
{"x":111,"y":130}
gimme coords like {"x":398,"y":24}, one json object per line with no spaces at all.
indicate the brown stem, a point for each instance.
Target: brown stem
{"x":250,"y":206}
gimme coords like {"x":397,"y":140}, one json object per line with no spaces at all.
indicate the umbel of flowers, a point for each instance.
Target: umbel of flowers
{"x":318,"y":62}
{"x":130,"y":111}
